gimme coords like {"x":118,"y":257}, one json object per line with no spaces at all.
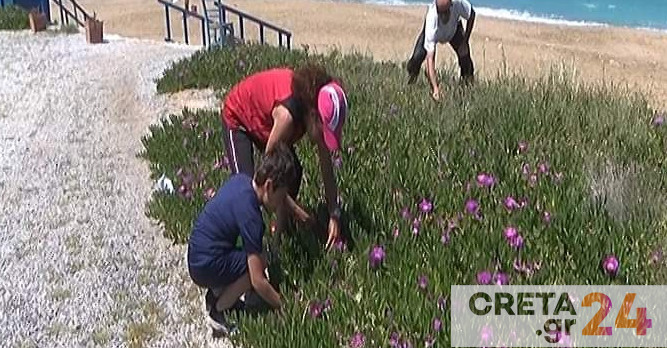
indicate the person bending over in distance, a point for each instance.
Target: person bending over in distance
{"x":443,"y":24}
{"x":214,"y":260}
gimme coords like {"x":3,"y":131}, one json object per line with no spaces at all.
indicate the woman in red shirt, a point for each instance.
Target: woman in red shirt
{"x":282,"y":105}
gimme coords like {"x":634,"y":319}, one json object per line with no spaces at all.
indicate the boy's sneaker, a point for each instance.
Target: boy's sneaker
{"x":209,"y":300}
{"x":220,"y":325}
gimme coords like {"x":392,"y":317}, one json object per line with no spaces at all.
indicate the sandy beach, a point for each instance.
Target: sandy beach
{"x":593,"y":54}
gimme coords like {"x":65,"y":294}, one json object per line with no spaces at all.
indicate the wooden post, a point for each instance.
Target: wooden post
{"x":94,"y":30}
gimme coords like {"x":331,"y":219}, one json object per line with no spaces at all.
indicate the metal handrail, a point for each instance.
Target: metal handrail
{"x":66,"y":14}
{"x":262,"y":24}
{"x":185,"y":13}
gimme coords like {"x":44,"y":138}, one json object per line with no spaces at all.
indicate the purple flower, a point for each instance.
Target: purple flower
{"x":546,"y":217}
{"x":510,"y":232}
{"x":442,"y":303}
{"x":657,"y":256}
{"x":658,"y":120}
{"x":484,"y":277}
{"x":445,"y":238}
{"x":543,"y":168}
{"x":393,"y":339}
{"x":485,"y":180}
{"x":316,"y":309}
{"x":376,"y":256}
{"x":337,"y":161}
{"x":437,"y":325}
{"x":523,"y":146}
{"x":396,"y":232}
{"x":416,"y":226}
{"x":405,"y":213}
{"x":472,"y":207}
{"x":610,"y":265}
{"x":525,"y":169}
{"x":425,"y":206}
{"x":511,"y":204}
{"x":516,"y":242}
{"x":209,"y":193}
{"x":501,"y":278}
{"x":422,"y":282}
{"x":340,"y":245}
{"x":357,"y":341}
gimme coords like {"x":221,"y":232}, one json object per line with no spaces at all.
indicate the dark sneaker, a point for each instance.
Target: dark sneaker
{"x":209,"y":300}
{"x":220,"y":325}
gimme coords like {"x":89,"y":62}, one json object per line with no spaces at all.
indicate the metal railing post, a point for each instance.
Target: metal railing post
{"x":241,"y":28}
{"x":185,"y":27}
{"x":261,"y":33}
{"x":166,"y":14}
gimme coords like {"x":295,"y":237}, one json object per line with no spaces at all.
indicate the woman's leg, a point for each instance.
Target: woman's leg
{"x":418,"y":55}
{"x":239,"y":150}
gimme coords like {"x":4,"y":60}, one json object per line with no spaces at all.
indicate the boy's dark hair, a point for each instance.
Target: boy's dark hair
{"x":277,"y":165}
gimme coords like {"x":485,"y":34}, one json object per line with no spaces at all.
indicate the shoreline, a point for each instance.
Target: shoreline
{"x":597,"y":54}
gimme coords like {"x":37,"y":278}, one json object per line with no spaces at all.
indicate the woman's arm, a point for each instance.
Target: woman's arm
{"x":331,"y":192}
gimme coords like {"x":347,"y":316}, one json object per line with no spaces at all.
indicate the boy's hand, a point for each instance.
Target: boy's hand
{"x":334,"y":232}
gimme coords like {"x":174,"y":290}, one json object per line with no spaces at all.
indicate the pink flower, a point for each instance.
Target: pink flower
{"x":357,"y":341}
{"x":445,"y":238}
{"x":422,"y":282}
{"x":485,"y":180}
{"x":405,"y":213}
{"x":501,"y":278}
{"x":658,"y":120}
{"x":543,"y":168}
{"x":610,"y":265}
{"x":425,"y":206}
{"x":523,"y":146}
{"x":376,"y":256}
{"x":525,"y":169}
{"x":437,"y":325}
{"x":472,"y":207}
{"x":396,"y":232}
{"x":416,"y":226}
{"x":546,"y":217}
{"x":337,"y":161}
{"x":511,"y":204}
{"x":510,"y":232}
{"x":316,"y":309}
{"x":484,"y":277}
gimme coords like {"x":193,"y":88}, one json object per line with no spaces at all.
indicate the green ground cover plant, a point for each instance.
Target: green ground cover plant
{"x":13,"y":18}
{"x":507,"y":181}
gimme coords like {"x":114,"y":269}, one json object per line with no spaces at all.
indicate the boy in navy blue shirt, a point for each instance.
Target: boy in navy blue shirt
{"x":214,"y":261}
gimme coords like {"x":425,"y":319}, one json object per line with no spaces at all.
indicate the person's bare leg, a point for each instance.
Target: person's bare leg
{"x":231,"y":293}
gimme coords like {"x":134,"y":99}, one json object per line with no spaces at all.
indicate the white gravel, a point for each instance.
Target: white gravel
{"x":80,"y":264}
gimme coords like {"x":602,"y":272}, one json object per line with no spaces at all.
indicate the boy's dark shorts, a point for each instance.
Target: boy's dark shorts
{"x":221,"y":271}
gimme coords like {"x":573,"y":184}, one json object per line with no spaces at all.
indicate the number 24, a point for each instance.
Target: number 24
{"x":622,"y":320}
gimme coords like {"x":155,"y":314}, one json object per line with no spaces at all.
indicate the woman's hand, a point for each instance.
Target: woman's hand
{"x":334,"y":232}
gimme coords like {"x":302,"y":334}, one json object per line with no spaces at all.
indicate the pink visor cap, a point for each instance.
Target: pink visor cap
{"x":332,"y":107}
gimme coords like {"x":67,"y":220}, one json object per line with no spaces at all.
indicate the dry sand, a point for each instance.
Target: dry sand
{"x":612,"y":55}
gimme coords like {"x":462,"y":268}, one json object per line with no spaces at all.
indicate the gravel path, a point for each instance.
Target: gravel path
{"x":80,"y":264}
